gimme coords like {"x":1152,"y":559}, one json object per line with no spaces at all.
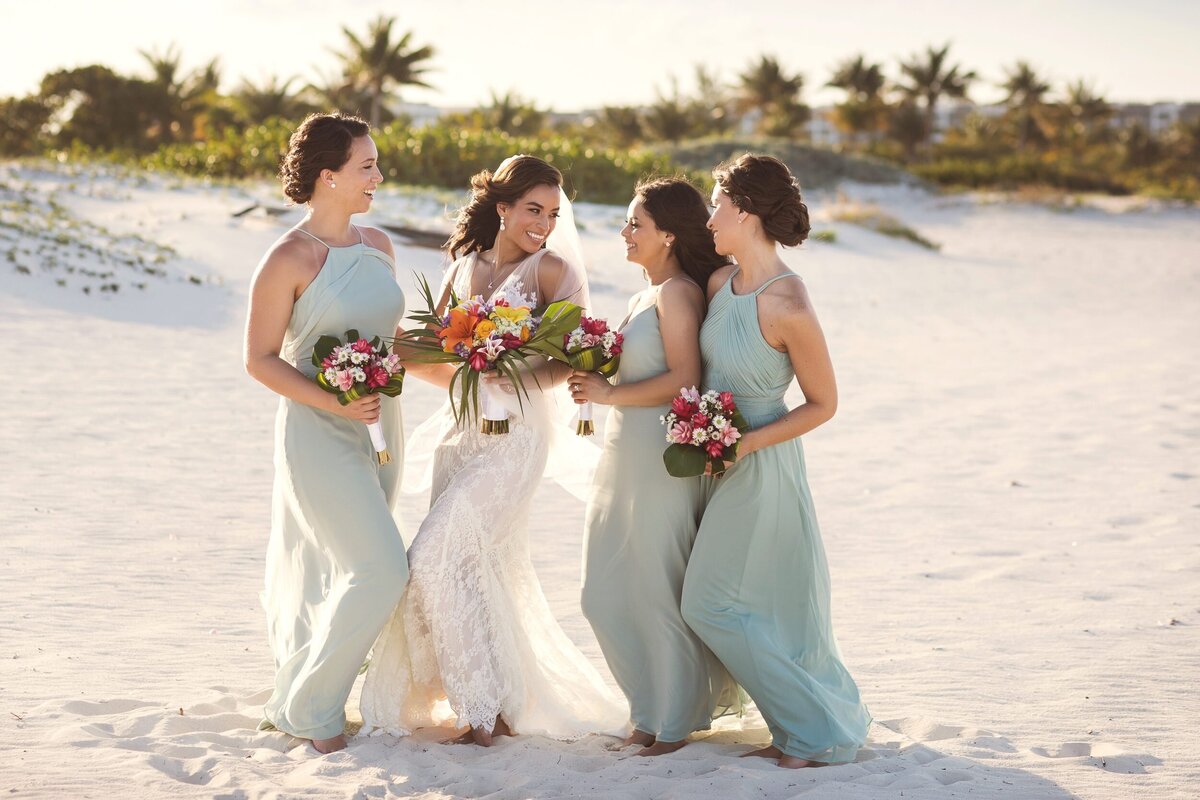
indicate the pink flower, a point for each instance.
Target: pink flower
{"x":362,"y":346}
{"x":478,"y":360}
{"x":715,"y":449}
{"x":327,"y":362}
{"x":727,"y":401}
{"x":699,"y":421}
{"x":345,"y":379}
{"x":595,"y":327}
{"x":392,"y":364}
{"x":680,"y":433}
{"x":730,"y":435}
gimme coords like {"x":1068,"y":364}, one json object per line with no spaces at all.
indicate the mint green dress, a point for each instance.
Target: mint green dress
{"x":336,"y":565}
{"x":639,"y":529}
{"x":757,"y":585}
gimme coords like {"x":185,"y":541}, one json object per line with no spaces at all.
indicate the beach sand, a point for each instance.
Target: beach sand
{"x":1009,"y":494}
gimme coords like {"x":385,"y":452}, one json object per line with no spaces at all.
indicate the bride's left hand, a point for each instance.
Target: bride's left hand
{"x":589,"y":386}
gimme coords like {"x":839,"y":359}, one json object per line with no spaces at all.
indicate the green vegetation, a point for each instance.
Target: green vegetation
{"x":1066,"y":140}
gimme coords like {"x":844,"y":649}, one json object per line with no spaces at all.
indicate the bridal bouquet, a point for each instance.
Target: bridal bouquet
{"x":480,"y":336}
{"x":703,"y":430}
{"x":592,"y":347}
{"x":355,"y":369}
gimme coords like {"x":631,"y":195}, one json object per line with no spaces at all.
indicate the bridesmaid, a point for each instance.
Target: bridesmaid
{"x":335,"y":560}
{"x":640,"y":521}
{"x":757,"y":585}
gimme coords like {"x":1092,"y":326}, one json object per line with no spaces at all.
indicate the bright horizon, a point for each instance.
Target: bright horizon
{"x":574,"y":55}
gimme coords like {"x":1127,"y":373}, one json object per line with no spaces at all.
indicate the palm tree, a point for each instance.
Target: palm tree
{"x":1087,"y":112}
{"x":165,"y":78}
{"x":378,"y":63}
{"x":712,"y":106}
{"x":1025,"y":100}
{"x":271,"y":99}
{"x":670,"y":117}
{"x":204,"y":108}
{"x":513,"y":114}
{"x":620,"y":125}
{"x":333,"y":91}
{"x":930,"y":77}
{"x":775,"y":94}
{"x":863,"y":84}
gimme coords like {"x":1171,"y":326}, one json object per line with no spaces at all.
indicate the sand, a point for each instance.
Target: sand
{"x":1010,"y":496}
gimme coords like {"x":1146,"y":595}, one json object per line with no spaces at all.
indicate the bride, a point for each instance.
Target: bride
{"x":473,"y":639}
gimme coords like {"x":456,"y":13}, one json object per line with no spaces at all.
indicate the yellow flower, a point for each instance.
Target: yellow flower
{"x":484,"y":329}
{"x":513,"y":315}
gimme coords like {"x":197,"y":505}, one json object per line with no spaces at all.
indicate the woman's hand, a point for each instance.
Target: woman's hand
{"x":589,"y":387}
{"x":364,"y":409}
{"x":498,"y":381}
{"x":746,"y":446}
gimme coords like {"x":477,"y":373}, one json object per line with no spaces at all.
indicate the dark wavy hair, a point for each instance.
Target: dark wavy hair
{"x":321,"y":142}
{"x":478,"y":223}
{"x":678,"y":208}
{"x":763,"y":186}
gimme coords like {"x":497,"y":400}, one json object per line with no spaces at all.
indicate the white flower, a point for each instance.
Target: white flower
{"x":331,"y":375}
{"x":719,"y":422}
{"x":358,"y":358}
{"x":699,"y":436}
{"x":359,"y":375}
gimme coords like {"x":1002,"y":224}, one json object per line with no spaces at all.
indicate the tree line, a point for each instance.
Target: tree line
{"x":1062,"y":136}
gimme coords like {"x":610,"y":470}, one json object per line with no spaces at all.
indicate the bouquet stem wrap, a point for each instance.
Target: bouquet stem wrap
{"x":585,"y":427}
{"x":495,"y":415}
{"x":381,"y":452}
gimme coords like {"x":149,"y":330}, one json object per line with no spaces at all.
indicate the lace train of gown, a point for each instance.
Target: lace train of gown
{"x":473,"y":637}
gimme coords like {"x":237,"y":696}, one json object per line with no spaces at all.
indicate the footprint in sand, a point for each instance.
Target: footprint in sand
{"x":1108,"y":757}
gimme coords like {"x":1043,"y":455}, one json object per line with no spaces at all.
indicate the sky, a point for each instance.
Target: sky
{"x":571,"y":55}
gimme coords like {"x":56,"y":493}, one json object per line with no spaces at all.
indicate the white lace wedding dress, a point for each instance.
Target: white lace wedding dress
{"x":473,"y":637}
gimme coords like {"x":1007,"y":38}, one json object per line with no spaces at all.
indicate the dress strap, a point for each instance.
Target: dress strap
{"x":760,"y":289}
{"x":327,"y":244}
{"x":309,"y":235}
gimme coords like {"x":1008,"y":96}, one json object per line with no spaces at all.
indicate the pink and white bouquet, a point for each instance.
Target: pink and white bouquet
{"x":592,"y":347}
{"x":356,"y":368}
{"x":703,"y":430}
{"x":480,"y":336}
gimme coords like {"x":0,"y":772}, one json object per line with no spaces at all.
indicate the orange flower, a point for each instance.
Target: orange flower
{"x":459,"y":331}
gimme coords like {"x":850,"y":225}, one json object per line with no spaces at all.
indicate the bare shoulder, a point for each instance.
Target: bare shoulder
{"x":292,"y":259}
{"x":378,"y":239}
{"x":718,"y":278}
{"x":680,"y":293}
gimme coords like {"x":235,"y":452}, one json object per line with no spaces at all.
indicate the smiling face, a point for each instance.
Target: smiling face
{"x":724,"y":223}
{"x":532,"y":218}
{"x":645,"y":243}
{"x":354,"y":184}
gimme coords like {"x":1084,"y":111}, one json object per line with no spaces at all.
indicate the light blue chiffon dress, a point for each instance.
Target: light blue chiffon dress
{"x":757,"y":584}
{"x":639,"y":528}
{"x":336,"y":565}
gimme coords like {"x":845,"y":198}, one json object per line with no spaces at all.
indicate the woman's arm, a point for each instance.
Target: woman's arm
{"x":680,"y":309}
{"x":437,"y":374}
{"x":272,"y":294}
{"x":792,"y":323}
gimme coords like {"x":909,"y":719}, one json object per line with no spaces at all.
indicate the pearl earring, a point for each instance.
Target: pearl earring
{"x":502,"y":223}
{"x":332,"y":185}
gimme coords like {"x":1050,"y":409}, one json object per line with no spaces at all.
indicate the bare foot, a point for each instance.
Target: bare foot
{"x":765,"y":752}
{"x":327,"y":746}
{"x":462,"y":738}
{"x":481,"y":737}
{"x":640,"y":738}
{"x":794,"y":762}
{"x":501,"y":728}
{"x":661,"y":748}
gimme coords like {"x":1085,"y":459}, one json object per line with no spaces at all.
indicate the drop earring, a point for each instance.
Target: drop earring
{"x":502,"y":223}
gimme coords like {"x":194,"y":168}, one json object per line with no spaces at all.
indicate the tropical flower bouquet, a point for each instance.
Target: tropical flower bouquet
{"x":592,"y":347}
{"x":356,"y":368}
{"x":480,"y":336}
{"x":703,"y":430}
